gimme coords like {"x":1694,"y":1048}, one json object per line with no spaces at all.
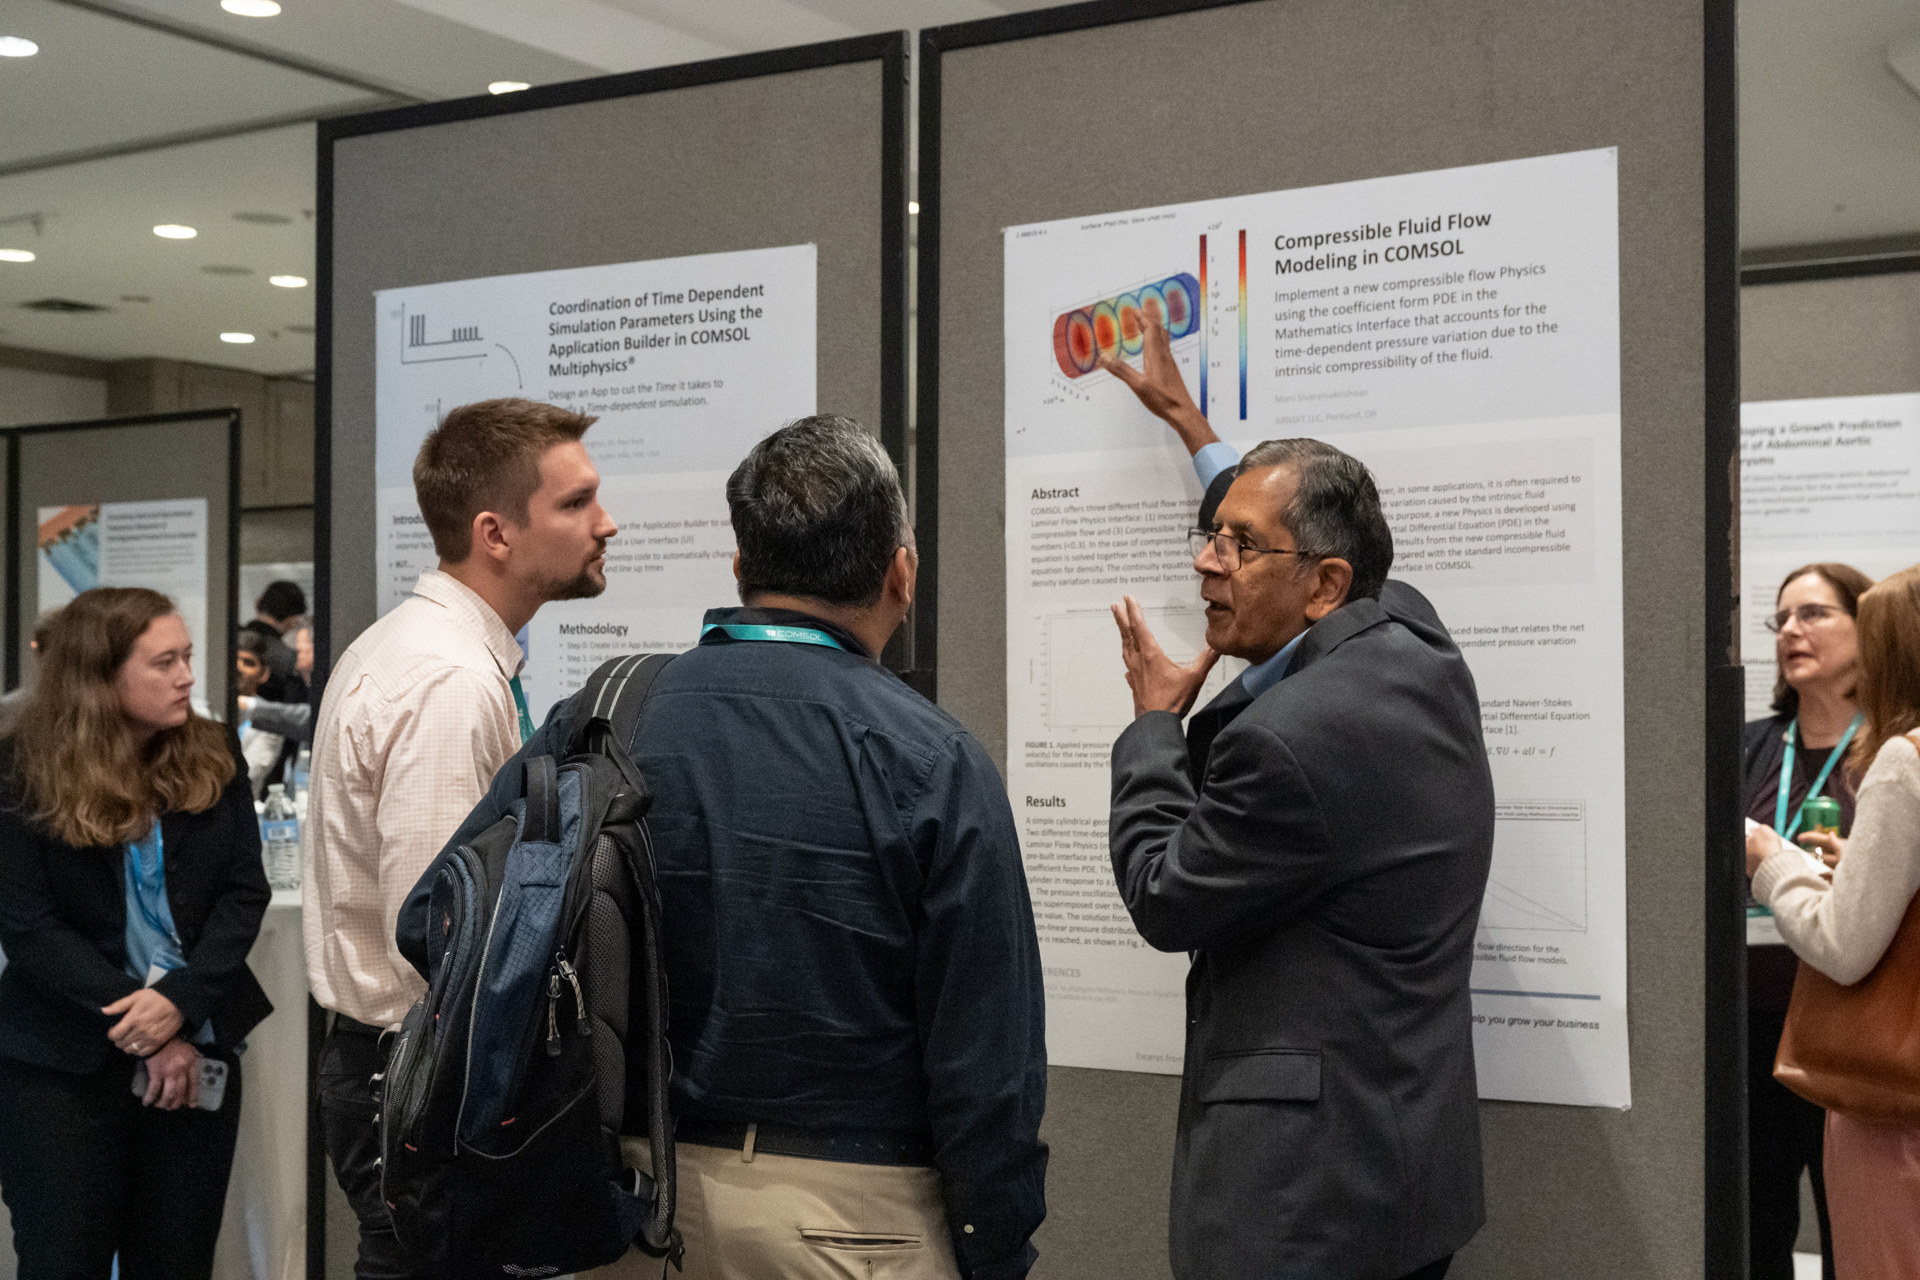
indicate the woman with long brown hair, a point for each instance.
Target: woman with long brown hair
{"x":131,"y":891}
{"x":1845,"y":927}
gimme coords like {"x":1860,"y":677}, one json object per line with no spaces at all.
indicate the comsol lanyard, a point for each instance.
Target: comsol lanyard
{"x":781,"y":635}
{"x":1786,"y":776}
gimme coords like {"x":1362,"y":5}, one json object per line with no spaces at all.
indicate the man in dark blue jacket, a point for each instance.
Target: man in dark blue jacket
{"x":858,"y":1020}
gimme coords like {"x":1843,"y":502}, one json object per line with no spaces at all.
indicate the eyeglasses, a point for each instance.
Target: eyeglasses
{"x":1229,"y":550}
{"x":1808,"y":614}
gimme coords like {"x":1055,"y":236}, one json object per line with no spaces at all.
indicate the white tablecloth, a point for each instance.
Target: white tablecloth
{"x":264,"y":1233}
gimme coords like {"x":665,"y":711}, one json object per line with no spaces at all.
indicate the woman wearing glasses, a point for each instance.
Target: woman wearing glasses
{"x":1787,"y":758}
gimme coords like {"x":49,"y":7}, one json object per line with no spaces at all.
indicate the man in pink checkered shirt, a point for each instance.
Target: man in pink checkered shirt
{"x":419,"y":714}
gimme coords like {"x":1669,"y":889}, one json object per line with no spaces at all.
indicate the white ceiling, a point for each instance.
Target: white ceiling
{"x":1830,"y":139}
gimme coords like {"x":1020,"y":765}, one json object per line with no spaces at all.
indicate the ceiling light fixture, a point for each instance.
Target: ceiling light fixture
{"x":508,"y":86}
{"x":174,"y":231}
{"x":913,"y":206}
{"x":250,"y":9}
{"x":17,"y":47}
{"x":16,"y":255}
{"x":288,"y":282}
{"x":241,"y":338}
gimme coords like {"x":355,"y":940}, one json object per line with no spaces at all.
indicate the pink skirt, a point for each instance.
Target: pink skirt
{"x":1873,"y":1197}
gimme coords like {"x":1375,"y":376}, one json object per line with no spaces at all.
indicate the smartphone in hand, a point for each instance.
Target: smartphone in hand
{"x":213,"y":1082}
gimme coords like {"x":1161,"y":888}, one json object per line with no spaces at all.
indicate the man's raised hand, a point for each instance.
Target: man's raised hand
{"x":1159,"y":386}
{"x":1158,"y":682}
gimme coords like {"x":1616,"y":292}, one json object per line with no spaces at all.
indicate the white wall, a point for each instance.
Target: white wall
{"x":29,"y":396}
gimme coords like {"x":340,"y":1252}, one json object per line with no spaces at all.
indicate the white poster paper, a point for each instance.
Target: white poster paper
{"x":160,"y":545}
{"x":1821,"y":481}
{"x":1459,"y":332}
{"x":686,"y":361}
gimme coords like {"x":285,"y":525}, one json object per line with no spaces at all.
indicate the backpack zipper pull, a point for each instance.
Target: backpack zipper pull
{"x":553,"y":1020}
{"x":579,"y":1001}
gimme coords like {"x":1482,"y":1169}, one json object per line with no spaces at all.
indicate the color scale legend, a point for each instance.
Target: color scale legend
{"x":1203,"y":326}
{"x":1243,"y":325}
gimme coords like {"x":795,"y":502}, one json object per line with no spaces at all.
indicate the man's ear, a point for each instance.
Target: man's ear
{"x":491,"y":537}
{"x":736,"y":566}
{"x":1333,"y":578}
{"x":903,"y":575}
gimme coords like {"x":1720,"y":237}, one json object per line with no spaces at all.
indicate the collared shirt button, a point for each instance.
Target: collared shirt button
{"x":968,"y":1228}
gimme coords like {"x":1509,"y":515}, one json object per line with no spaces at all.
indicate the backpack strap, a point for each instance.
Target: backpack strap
{"x":615,"y":694}
{"x":543,"y":801}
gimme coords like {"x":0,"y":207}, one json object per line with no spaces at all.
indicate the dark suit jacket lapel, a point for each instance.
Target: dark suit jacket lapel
{"x":1206,"y":723}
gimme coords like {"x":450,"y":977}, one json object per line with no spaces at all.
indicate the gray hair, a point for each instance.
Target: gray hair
{"x":1335,"y":510}
{"x":817,"y":512}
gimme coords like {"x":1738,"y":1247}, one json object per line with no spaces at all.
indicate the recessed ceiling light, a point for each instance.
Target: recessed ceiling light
{"x":913,"y":206}
{"x":288,"y":282}
{"x":241,"y":338}
{"x":174,"y":231}
{"x":508,"y":86}
{"x":17,"y":47}
{"x":16,"y":255}
{"x":251,"y":8}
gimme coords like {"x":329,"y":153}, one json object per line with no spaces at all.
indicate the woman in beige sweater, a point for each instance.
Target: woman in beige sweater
{"x":1843,"y":927}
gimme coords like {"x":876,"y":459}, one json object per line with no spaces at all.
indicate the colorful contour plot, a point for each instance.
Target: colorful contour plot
{"x":1113,"y":327}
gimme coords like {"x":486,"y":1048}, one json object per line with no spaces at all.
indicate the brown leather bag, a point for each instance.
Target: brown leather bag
{"x":1856,"y":1050}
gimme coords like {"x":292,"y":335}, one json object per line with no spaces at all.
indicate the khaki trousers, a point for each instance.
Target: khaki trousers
{"x":768,"y":1217}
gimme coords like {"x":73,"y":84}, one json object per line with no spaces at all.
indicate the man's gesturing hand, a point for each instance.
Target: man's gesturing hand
{"x":1158,"y":682}
{"x":1160,"y":387}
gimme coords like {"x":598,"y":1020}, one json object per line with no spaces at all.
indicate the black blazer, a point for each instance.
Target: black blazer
{"x":63,"y":921}
{"x":1322,"y":850}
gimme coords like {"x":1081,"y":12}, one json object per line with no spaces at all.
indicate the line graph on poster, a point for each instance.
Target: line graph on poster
{"x":1082,"y":682}
{"x":420,"y":343}
{"x":1539,"y":874}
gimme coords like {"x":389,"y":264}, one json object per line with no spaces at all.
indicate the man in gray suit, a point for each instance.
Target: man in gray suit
{"x":1318,"y":838}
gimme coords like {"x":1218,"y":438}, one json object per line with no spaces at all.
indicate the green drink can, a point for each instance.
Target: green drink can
{"x":1821,"y":813}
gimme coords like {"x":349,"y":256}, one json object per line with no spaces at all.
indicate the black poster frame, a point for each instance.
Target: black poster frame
{"x":890,"y":49}
{"x":14,"y":435}
{"x":1724,"y":1229}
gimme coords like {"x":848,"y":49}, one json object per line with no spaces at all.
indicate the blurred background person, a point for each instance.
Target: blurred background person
{"x":270,"y":732}
{"x":131,"y":891}
{"x":1786,"y":758}
{"x":1842,"y":926}
{"x":279,"y":614}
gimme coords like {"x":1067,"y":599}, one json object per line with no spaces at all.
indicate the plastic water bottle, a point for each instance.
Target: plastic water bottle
{"x":302,"y":770}
{"x":280,"y":839}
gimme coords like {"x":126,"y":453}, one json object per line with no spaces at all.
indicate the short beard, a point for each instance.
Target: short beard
{"x":582,"y":586}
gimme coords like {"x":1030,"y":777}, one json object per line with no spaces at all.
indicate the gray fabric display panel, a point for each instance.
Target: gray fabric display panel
{"x":160,"y":460}
{"x":1096,"y":109}
{"x":1854,"y":336}
{"x":795,"y":147}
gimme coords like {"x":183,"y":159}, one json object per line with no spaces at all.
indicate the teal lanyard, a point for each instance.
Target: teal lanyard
{"x":781,"y":635}
{"x":526,"y":720}
{"x":1786,"y":776}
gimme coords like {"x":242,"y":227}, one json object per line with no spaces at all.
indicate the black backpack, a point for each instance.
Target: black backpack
{"x":506,"y":1094}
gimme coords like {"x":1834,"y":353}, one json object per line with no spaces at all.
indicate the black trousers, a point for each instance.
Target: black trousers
{"x":1785,"y":1134}
{"x":88,"y":1172}
{"x":351,"y":1056}
{"x":1432,"y":1271}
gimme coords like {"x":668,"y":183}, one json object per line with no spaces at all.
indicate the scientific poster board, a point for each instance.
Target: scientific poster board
{"x":152,"y":502}
{"x":1458,"y":331}
{"x":686,"y":363}
{"x":1832,"y":479}
{"x":767,"y":152}
{"x":1021,"y":125}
